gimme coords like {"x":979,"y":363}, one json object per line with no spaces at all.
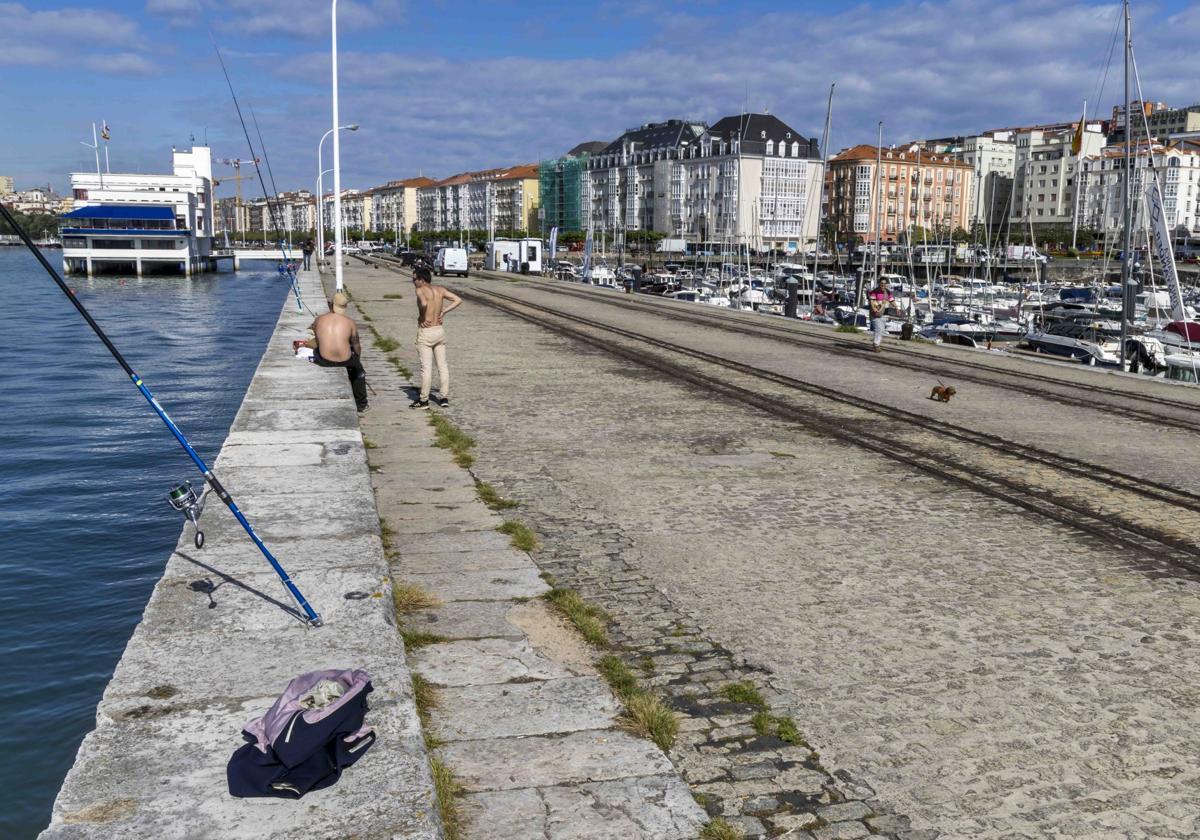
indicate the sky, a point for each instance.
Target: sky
{"x":441,"y":87}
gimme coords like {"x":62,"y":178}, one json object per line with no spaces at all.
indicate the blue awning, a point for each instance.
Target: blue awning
{"x":123,"y":211}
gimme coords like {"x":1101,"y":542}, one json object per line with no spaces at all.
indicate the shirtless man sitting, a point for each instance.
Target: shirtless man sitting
{"x":433,"y":302}
{"x":338,"y":346}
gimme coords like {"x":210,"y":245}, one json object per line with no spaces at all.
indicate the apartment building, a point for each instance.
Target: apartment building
{"x":6,"y":185}
{"x":356,"y":209}
{"x":917,"y":187}
{"x":1046,"y":167}
{"x":490,"y":199}
{"x":1103,"y":187}
{"x":394,"y":205}
{"x":748,"y":179}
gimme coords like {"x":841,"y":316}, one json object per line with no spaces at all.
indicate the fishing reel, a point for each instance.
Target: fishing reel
{"x":184,"y":499}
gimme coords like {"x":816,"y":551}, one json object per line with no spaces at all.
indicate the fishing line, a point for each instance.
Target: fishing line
{"x":313,"y":618}
{"x":287,"y":262}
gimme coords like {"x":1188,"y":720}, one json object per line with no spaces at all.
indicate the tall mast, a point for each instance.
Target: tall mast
{"x":1126,"y":203}
{"x":821,"y":193}
{"x":878,"y":201}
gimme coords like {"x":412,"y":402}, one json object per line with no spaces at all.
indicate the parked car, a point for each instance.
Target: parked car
{"x":451,"y":261}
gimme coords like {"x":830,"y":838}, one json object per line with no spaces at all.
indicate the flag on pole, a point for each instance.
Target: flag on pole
{"x":553,"y":241}
{"x":1077,"y":142}
{"x":104,"y":130}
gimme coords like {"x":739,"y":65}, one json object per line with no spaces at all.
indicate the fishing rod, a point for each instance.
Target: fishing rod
{"x":287,"y":261}
{"x":313,"y":619}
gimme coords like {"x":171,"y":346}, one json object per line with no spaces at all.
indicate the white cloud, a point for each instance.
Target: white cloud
{"x":70,"y":37}
{"x":302,"y":19}
{"x":122,"y":64}
{"x":928,"y":69}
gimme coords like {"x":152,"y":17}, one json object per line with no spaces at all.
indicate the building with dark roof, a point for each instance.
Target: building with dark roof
{"x":748,"y":179}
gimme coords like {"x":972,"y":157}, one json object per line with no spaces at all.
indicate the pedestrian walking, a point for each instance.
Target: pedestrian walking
{"x":433,"y":302}
{"x":308,"y":249}
{"x":878,"y":300}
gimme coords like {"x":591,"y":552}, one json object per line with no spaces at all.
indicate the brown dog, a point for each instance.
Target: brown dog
{"x":942,"y":393}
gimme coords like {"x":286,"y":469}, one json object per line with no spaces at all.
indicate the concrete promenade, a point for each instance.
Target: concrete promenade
{"x":972,"y":668}
{"x":531,"y":732}
{"x":219,"y":639}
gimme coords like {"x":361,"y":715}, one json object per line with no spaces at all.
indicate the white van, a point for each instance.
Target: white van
{"x":451,"y":261}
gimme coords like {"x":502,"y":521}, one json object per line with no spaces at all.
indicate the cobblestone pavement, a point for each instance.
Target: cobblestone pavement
{"x":983,"y":672}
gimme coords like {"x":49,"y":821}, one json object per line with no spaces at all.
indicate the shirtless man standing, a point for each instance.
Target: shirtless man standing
{"x":338,"y":346}
{"x":433,"y":302}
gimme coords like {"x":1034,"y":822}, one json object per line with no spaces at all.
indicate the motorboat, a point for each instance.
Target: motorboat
{"x":1095,"y":343}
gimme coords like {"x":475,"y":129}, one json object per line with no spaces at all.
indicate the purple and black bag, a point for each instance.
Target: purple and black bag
{"x":295,"y":748}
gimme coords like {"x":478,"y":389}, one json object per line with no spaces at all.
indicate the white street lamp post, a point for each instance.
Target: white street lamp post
{"x":337,"y":156}
{"x":320,"y":174}
{"x":321,"y":215}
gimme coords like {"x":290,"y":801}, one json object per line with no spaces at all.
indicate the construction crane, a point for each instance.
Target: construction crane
{"x":237,"y":177}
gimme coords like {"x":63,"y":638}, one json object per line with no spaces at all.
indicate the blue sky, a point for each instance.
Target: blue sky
{"x":440,"y":87}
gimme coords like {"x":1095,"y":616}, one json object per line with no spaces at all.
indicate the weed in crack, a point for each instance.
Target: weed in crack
{"x":743,"y":692}
{"x":588,"y":620}
{"x":448,"y":791}
{"x":521,"y":535}
{"x":408,"y":597}
{"x":448,"y":436}
{"x":719,"y":829}
{"x":492,"y":498}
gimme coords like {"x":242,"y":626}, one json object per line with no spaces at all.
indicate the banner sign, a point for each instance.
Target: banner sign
{"x":1163,"y":251}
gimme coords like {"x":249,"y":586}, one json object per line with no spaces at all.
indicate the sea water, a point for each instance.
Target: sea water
{"x":85,"y":465}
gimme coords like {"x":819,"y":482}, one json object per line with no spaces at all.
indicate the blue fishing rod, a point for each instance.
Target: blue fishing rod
{"x":313,"y":619}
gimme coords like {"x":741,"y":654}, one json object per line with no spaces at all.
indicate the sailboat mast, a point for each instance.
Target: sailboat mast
{"x":878,"y":201}
{"x":1126,"y":203}
{"x":821,"y":193}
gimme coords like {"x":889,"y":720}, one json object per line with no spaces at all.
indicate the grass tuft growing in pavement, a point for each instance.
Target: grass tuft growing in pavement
{"x":618,"y":676}
{"x":761,"y":722}
{"x":649,"y":716}
{"x":522,"y":536}
{"x":408,"y":597}
{"x":448,"y":436}
{"x":387,"y":535}
{"x":743,"y":692}
{"x":368,"y":443}
{"x":788,"y":731}
{"x":448,"y":790}
{"x":588,"y":619}
{"x":393,"y":296}
{"x":719,"y":829}
{"x":845,"y":328}
{"x":387,"y":345}
{"x":400,"y":367}
{"x":645,"y":714}
{"x":414,"y":639}
{"x":424,"y":696}
{"x":492,"y":498}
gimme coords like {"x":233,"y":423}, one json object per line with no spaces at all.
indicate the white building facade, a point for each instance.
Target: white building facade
{"x":138,"y":223}
{"x":1046,"y":169}
{"x":748,"y":180}
{"x":1178,"y":171}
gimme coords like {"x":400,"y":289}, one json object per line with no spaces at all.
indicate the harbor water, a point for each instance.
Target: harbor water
{"x":85,"y":465}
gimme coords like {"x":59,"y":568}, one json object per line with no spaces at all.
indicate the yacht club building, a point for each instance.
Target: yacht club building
{"x":127,"y":222}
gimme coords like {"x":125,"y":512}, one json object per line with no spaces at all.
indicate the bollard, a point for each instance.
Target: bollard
{"x":793,"y":294}
{"x":906,"y":331}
